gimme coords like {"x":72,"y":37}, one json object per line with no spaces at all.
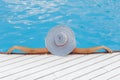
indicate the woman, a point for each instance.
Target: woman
{"x":59,"y":41}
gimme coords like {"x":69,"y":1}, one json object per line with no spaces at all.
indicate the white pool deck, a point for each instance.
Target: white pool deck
{"x":50,"y":67}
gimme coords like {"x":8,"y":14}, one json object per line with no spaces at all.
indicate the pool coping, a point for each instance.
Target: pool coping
{"x":52,"y":54}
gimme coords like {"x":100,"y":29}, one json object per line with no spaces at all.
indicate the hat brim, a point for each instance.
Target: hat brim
{"x":67,"y":48}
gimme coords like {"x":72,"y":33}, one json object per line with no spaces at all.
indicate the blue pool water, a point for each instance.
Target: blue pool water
{"x":26,"y":22}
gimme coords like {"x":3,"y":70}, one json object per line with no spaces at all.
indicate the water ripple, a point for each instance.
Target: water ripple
{"x":95,"y":22}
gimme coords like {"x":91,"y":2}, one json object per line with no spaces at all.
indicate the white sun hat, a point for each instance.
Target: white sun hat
{"x":60,"y":41}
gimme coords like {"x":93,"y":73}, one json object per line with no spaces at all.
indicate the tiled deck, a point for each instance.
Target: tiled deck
{"x":50,"y":67}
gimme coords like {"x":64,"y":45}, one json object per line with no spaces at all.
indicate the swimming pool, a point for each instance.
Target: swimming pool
{"x":26,"y":23}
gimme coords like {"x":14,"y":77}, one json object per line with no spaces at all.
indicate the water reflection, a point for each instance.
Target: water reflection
{"x":95,"y":22}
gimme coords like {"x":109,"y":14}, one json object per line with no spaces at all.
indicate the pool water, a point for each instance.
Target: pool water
{"x":27,"y":22}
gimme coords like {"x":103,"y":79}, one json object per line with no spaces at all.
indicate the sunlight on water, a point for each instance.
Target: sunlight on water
{"x":26,"y":23}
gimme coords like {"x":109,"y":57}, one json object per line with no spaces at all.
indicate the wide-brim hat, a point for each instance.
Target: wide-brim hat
{"x":60,"y":41}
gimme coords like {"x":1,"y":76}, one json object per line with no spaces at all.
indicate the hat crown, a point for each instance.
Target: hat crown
{"x":60,"y":39}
